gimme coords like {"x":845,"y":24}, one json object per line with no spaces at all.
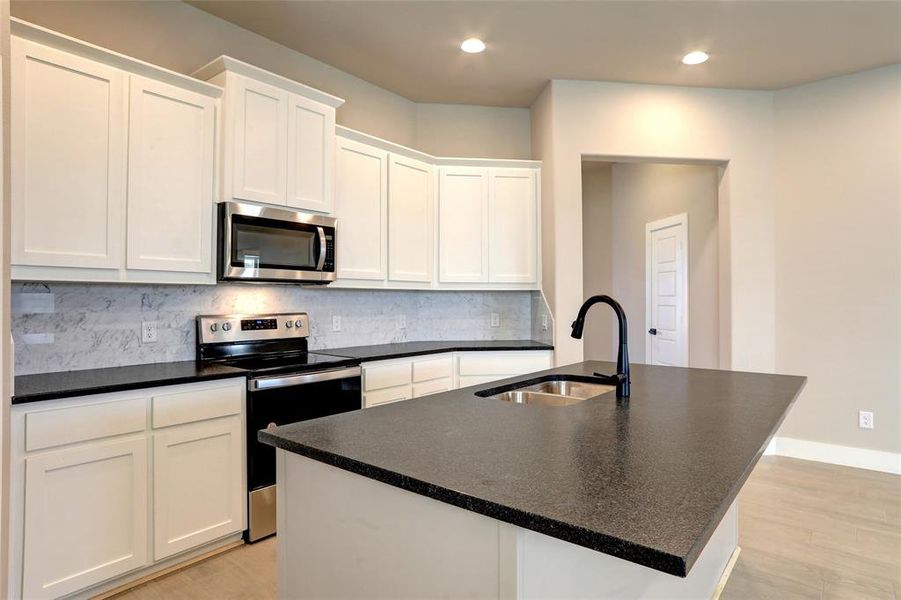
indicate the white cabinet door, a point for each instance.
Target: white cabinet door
{"x":513,"y":223}
{"x":361,"y":208}
{"x":170,"y":178}
{"x":410,"y":220}
{"x":311,"y":154}
{"x":85,"y":516}
{"x":259,"y":154}
{"x":463,"y":224}
{"x":68,"y":175}
{"x":197,"y":484}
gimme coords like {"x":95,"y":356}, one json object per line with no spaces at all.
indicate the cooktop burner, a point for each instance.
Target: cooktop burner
{"x":290,"y":363}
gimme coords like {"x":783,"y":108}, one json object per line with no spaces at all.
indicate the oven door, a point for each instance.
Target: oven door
{"x":259,"y":243}
{"x":273,"y":401}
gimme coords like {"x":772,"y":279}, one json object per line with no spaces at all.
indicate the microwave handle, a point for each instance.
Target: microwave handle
{"x":322,"y":250}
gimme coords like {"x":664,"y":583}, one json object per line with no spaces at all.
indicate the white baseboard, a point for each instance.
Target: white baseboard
{"x":861,"y":458}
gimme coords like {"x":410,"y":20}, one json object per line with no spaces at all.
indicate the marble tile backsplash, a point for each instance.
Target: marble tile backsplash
{"x":62,"y":327}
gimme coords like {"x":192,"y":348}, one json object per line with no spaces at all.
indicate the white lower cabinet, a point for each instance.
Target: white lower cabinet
{"x":197,"y":484}
{"x":85,"y":516}
{"x":393,"y":380}
{"x":98,"y":496}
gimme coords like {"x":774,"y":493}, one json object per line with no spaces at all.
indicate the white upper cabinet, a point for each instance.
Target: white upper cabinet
{"x":311,"y":151}
{"x":463,"y":224}
{"x":411,"y":237}
{"x":170,"y":177}
{"x":68,"y":136}
{"x":362,"y":210}
{"x":260,"y":137}
{"x":278,"y":137}
{"x":513,"y":226}
{"x":113,"y":165}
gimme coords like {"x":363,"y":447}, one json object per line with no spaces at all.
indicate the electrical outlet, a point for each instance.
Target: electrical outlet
{"x":148,"y":332}
{"x":865,"y":419}
{"x":401,"y":321}
{"x":336,"y":323}
{"x":544,"y":322}
{"x":495,"y":320}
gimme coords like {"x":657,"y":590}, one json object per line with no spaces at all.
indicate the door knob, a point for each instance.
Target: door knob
{"x":652,"y":331}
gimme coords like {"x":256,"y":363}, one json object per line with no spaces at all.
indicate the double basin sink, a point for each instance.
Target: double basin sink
{"x":549,"y":392}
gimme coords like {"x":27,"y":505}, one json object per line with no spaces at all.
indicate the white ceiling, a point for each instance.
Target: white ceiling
{"x":412,"y":48}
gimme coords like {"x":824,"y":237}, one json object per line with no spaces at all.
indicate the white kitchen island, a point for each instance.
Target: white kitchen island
{"x":463,"y":495}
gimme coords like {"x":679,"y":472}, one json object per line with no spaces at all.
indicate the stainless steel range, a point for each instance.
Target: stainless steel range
{"x":287,"y":383}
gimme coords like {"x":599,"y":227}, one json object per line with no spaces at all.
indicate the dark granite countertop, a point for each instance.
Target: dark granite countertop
{"x":646,"y":480}
{"x":403,"y":349}
{"x":64,"y":384}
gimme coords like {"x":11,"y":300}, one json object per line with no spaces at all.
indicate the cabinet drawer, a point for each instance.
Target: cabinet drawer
{"x":378,"y":376}
{"x":432,"y":368}
{"x":197,"y":404}
{"x":387,"y":395}
{"x":432,"y":387}
{"x":502,"y":363}
{"x":48,"y":428}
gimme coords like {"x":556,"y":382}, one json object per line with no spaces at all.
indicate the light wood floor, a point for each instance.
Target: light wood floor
{"x":807,"y":530}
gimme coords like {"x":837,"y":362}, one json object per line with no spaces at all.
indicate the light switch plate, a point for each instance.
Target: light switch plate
{"x":495,"y":319}
{"x":336,"y":323}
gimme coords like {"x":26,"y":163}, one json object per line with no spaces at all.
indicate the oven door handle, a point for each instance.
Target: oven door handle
{"x":322,"y":248}
{"x":271,"y":383}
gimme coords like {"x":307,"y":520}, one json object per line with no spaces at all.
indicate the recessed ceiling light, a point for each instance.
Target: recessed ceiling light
{"x":472,"y":46}
{"x":695,"y":58}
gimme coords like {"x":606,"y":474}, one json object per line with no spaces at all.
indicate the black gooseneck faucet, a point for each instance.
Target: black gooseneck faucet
{"x":621,"y":379}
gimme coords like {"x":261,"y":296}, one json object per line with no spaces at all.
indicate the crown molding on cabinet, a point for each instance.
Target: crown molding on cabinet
{"x":227,"y":63}
{"x":47,"y":37}
{"x":440,"y":161}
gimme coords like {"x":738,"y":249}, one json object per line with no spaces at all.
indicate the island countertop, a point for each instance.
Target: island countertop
{"x":646,"y":480}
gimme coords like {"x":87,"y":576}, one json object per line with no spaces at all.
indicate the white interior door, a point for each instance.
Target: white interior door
{"x":667,"y":291}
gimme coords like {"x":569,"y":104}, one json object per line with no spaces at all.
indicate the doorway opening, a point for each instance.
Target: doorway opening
{"x":650,"y":240}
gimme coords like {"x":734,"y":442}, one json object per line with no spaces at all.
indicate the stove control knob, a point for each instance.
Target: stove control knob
{"x":289,"y":324}
{"x":214,"y":327}
{"x":298,"y":324}
{"x":226,"y":326}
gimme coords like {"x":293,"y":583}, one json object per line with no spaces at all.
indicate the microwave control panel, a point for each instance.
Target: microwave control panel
{"x":329,"y":265}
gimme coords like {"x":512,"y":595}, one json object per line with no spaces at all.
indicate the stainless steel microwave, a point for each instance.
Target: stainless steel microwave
{"x":260,"y":244}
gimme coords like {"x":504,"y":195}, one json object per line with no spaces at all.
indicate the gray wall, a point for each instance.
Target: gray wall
{"x":183,"y":38}
{"x":61,"y":327}
{"x":597,"y":257}
{"x":618,"y":201}
{"x":838,"y":256}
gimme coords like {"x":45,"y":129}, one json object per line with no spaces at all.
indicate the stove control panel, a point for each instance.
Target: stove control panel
{"x":213,"y":329}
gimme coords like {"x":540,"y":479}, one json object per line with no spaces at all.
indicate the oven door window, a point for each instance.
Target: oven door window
{"x":268,"y":244}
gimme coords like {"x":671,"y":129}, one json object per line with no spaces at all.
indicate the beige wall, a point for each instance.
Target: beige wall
{"x":576,"y":118}
{"x":597,"y":260}
{"x":838,"y":256}
{"x":618,"y":200}
{"x":646,"y":192}
{"x":182,"y":38}
{"x":459,"y":130}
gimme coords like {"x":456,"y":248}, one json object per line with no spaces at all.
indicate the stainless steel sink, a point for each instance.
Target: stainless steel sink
{"x":561,"y":392}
